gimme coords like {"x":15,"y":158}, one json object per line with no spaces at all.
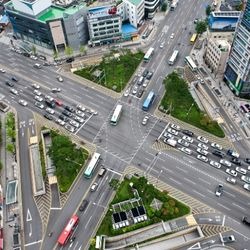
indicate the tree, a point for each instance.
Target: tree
{"x":114,"y":183}
{"x":201,"y":26}
{"x":164,"y":7}
{"x":239,"y":7}
{"x":34,"y":49}
{"x":82,"y":49}
{"x":10,"y":148}
{"x":68,"y":51}
{"x":55,"y":54}
{"x":208,"y":10}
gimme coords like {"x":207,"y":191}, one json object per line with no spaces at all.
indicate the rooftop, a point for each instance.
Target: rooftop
{"x":55,"y":12}
{"x":135,"y":2}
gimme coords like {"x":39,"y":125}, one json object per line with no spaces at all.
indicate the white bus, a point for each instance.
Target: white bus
{"x":191,"y":63}
{"x":149,"y":54}
{"x":173,"y":57}
{"x":92,"y":165}
{"x":116,"y":115}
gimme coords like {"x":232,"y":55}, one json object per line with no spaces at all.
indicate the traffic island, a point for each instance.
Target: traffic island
{"x":139,"y":207}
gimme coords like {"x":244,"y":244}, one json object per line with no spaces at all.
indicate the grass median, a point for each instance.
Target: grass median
{"x":114,"y":71}
{"x":181,"y":105}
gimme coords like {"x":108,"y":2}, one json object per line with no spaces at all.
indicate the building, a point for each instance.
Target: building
{"x":134,"y":12}
{"x":237,"y":72}
{"x":151,"y":7}
{"x":104,"y":24}
{"x":216,"y":55}
{"x":40,"y":23}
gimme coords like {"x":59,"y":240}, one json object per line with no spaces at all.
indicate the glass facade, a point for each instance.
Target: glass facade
{"x":246,"y":17}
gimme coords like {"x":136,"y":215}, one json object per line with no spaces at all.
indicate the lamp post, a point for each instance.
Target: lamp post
{"x":189,"y":110}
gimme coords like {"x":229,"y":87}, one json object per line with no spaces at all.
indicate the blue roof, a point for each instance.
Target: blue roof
{"x":128,"y":29}
{"x":221,"y":23}
{"x":4,"y":19}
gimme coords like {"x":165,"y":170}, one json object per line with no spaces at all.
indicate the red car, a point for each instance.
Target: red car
{"x":58,"y":102}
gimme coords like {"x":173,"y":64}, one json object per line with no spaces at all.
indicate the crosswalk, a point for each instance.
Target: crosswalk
{"x":195,"y":205}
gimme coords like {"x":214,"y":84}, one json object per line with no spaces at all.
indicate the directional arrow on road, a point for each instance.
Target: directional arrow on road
{"x":28,"y":217}
{"x":195,"y":246}
{"x":208,"y":242}
{"x":206,"y":219}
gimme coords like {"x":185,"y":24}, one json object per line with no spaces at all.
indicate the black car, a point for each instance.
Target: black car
{"x":140,"y":92}
{"x":218,"y":153}
{"x":51,"y":104}
{"x":67,"y":113}
{"x":14,"y":79}
{"x":236,"y":161}
{"x":187,"y":132}
{"x":70,"y":60}
{"x":47,"y":116}
{"x":83,"y":205}
{"x":10,"y":84}
{"x":246,"y":221}
{"x":247,"y":160}
{"x":145,"y":72}
{"x":63,"y":118}
{"x":70,"y":109}
{"x":26,"y":54}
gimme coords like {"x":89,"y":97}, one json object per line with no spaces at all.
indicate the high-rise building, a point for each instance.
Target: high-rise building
{"x":237,"y":72}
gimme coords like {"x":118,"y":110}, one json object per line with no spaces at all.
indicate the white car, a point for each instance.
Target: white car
{"x":50,"y":111}
{"x":69,"y":128}
{"x":241,"y":170}
{"x":59,"y":78}
{"x":74,"y":123}
{"x":245,"y":179}
{"x":217,"y":146}
{"x":172,"y":36}
{"x":94,"y":187}
{"x":176,"y":127}
{"x":172,"y":131}
{"x":35,"y":86}
{"x":183,"y":143}
{"x":61,"y":122}
{"x":134,"y":91}
{"x":219,"y":190}
{"x":33,"y":57}
{"x":203,"y":146}
{"x":80,"y":107}
{"x":145,"y":84}
{"x":167,"y":135}
{"x":202,"y":139}
{"x":202,"y":158}
{"x":38,"y":98}
{"x":186,"y":150}
{"x":231,"y":172}
{"x":14,"y":91}
{"x":126,"y":93}
{"x":23,"y":102}
{"x":2,"y":70}
{"x":247,"y":187}
{"x":145,"y":120}
{"x":36,"y":92}
{"x":80,"y":113}
{"x":78,"y":119}
{"x":225,"y":163}
{"x":39,"y":105}
{"x":55,"y":90}
{"x":48,"y":97}
{"x":231,"y":180}
{"x":161,"y":45}
{"x":187,"y":138}
{"x":202,"y":151}
{"x":215,"y":164}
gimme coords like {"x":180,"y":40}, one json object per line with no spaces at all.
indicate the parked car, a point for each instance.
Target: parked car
{"x":183,"y":143}
{"x":246,"y":220}
{"x":70,"y":128}
{"x":231,"y":172}
{"x":225,"y":163}
{"x":228,"y":239}
{"x":172,"y":131}
{"x":59,"y":78}
{"x":202,"y":158}
{"x":55,"y":90}
{"x":202,"y":139}
{"x":202,"y":151}
{"x":215,"y":164}
{"x":218,"y":153}
{"x":186,"y":150}
{"x":35,"y":86}
{"x":140,"y":93}
{"x":50,"y":111}
{"x":70,"y":109}
{"x":14,"y":91}
{"x":247,"y":187}
{"x":216,"y":146}
{"x":39,"y":105}
{"x":187,"y":132}
{"x":202,"y":146}
{"x":236,"y":161}
{"x":187,"y":138}
{"x":10,"y":84}
{"x":176,"y":127}
{"x":23,"y":102}
{"x":37,"y":92}
{"x":149,"y":75}
{"x":47,"y":116}
{"x":231,"y":180}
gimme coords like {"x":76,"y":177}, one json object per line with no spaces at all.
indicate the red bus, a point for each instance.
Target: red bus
{"x":68,"y":230}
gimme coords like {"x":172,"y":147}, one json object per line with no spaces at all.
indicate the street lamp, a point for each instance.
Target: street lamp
{"x":189,"y":110}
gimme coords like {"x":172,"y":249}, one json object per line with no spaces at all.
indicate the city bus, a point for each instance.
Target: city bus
{"x":116,"y":115}
{"x":92,"y":165}
{"x":148,"y":101}
{"x":191,"y":63}
{"x":149,"y":54}
{"x":193,"y":38}
{"x":68,"y":230}
{"x":173,"y":57}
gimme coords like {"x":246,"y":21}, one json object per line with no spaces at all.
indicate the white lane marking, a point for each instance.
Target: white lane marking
{"x":236,"y":205}
{"x":204,"y":181}
{"x":224,"y":207}
{"x":223,"y":220}
{"x":175,"y":181}
{"x":32,"y":243}
{"x":198,"y":193}
{"x":28,"y":217}
{"x":189,"y":181}
{"x":30,"y":233}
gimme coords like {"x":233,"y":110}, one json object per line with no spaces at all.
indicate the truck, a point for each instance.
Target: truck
{"x":174,"y":4}
{"x":171,"y":142}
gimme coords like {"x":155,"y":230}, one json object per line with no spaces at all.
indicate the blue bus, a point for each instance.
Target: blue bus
{"x":148,"y":101}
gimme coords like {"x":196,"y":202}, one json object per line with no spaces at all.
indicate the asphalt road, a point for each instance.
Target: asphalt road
{"x":129,"y":142}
